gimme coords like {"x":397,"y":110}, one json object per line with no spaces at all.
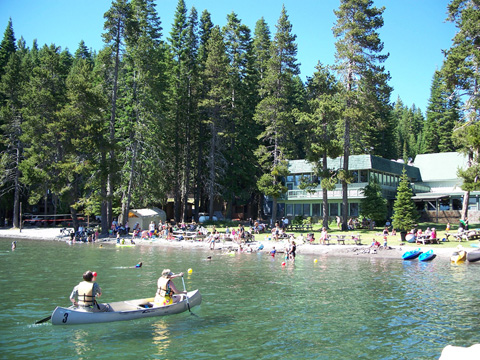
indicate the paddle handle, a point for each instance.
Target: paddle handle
{"x":186,"y":294}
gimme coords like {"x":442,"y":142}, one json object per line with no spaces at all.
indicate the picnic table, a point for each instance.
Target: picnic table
{"x":340,"y":239}
{"x":301,"y":227}
{"x":466,"y":235}
{"x":425,"y":239}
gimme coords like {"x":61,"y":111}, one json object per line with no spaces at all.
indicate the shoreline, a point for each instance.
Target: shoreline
{"x":395,"y":252}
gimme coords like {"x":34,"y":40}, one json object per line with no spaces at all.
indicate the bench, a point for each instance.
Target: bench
{"x":340,"y":239}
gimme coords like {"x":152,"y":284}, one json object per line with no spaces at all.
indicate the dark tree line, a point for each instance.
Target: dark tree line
{"x":208,"y":113}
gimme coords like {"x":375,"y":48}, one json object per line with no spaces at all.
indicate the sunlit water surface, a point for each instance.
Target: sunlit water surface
{"x":336,"y":308}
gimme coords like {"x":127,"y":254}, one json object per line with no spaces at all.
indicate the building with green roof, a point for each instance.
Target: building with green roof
{"x":433,"y":177}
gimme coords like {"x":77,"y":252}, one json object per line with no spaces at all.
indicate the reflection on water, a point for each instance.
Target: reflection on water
{"x":253,"y":307}
{"x":160,"y":337}
{"x":82,"y":347}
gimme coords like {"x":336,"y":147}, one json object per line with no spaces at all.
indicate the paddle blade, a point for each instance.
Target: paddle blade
{"x":43,"y":320}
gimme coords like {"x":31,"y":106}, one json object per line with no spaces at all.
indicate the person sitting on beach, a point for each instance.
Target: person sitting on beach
{"x":311,"y":237}
{"x":324,"y":236}
{"x":385,"y":231}
{"x":428,"y":232}
{"x":350,"y":224}
{"x":433,"y":234}
{"x":166,"y":290}
{"x":85,"y":293}
{"x":301,"y":239}
{"x":375,"y":244}
{"x":394,"y":232}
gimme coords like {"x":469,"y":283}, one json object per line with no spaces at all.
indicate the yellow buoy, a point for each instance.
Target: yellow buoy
{"x":189,"y":271}
{"x":315,"y":261}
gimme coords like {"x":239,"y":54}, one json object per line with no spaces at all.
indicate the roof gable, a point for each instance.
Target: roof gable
{"x":440,"y":166}
{"x":358,"y":162}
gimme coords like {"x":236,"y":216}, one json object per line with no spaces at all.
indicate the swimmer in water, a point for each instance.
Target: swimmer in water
{"x":139,"y":265}
{"x":14,"y":245}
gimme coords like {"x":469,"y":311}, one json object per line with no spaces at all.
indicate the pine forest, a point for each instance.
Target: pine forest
{"x":209,"y":115}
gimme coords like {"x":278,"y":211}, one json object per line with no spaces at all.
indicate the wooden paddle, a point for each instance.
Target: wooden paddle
{"x":186,"y":297}
{"x":43,"y":320}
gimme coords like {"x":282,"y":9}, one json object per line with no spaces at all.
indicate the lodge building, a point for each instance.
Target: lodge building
{"x":433,"y":177}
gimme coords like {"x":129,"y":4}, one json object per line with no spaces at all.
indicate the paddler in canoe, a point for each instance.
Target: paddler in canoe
{"x":85,"y":293}
{"x":166,"y":290}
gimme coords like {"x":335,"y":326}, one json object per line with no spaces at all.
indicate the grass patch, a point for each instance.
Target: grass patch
{"x":367,"y":235}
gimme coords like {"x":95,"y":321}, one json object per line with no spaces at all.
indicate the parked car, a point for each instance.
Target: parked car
{"x":202,"y":217}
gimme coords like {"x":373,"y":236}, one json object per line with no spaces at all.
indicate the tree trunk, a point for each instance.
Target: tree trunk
{"x":128,"y":195}
{"x":109,"y":207}
{"x":346,"y":156}
{"x":274,"y":211}
{"x":466,"y":199}
{"x":16,"y":195}
{"x":325,"y":193}
{"x":211,"y":185}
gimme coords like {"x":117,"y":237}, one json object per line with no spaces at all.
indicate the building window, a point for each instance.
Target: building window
{"x":456,"y":204}
{"x":289,"y":210}
{"x":298,"y":177}
{"x":316,"y":209}
{"x":298,"y":210}
{"x":333,"y":209}
{"x":363,"y":176}
{"x":444,"y":204}
{"x":353,"y":209}
{"x":290,"y":178}
{"x":472,"y":203}
{"x":355,"y":176}
{"x":281,"y":209}
{"x":306,"y":209}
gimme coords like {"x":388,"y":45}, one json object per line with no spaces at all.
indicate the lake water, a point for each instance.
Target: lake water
{"x":337,"y":308}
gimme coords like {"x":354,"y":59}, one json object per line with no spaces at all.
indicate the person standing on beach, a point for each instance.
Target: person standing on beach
{"x":291,"y":252}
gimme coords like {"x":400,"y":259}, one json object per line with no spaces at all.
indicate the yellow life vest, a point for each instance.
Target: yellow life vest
{"x":164,"y":293}
{"x":86,"y":297}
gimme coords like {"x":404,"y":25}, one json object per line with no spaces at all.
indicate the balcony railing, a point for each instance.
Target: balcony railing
{"x":356,"y":193}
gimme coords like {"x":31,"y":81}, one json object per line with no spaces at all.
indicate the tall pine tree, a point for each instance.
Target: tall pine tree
{"x":359,"y":58}
{"x":274,"y":112}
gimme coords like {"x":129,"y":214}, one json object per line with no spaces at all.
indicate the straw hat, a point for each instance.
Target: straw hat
{"x":167,"y":273}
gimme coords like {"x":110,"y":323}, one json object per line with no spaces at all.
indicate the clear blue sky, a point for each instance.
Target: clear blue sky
{"x":414,"y":33}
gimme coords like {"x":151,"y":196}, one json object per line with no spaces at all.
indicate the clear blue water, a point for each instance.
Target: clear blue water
{"x":253,"y":308}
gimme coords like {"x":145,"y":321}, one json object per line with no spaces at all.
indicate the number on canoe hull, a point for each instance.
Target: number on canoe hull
{"x":65,"y":317}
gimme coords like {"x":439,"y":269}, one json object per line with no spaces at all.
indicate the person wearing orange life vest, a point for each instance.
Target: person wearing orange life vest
{"x":166,"y":290}
{"x":86,"y":292}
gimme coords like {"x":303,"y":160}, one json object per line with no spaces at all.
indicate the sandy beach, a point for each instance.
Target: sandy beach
{"x":395,"y":252}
